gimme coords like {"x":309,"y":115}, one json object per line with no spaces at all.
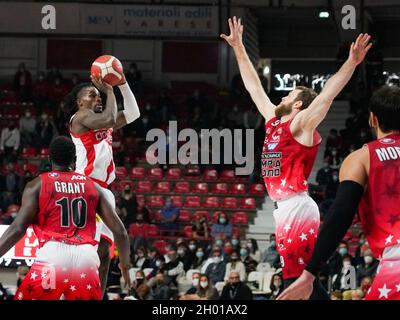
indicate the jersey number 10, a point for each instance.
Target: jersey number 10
{"x":78,"y":208}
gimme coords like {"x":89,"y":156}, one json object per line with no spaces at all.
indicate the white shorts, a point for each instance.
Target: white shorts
{"x":102,"y":231}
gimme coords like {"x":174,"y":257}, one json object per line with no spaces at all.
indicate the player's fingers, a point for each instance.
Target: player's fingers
{"x":234,"y":21}
{"x":352,"y":46}
{"x":366,"y":40}
{"x":223,"y":36}
{"x":368,"y":47}
{"x":359,"y":38}
{"x":230,"y":25}
{"x":241,"y":29}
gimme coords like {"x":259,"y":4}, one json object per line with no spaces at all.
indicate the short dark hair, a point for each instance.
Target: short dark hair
{"x":385,"y":105}
{"x":62,"y":151}
{"x":306,"y":95}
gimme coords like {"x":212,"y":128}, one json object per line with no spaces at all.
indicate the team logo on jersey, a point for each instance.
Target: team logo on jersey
{"x":53,"y":175}
{"x":387,"y":141}
{"x":275,"y":123}
{"x":76,"y":177}
{"x":271,"y":146}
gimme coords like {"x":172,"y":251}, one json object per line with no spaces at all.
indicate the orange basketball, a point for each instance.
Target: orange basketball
{"x":108,"y":68}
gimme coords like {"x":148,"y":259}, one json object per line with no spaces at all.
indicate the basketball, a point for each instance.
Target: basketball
{"x":108,"y":68}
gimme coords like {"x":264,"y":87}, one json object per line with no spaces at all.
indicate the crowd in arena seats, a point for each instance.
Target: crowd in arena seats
{"x":186,"y":224}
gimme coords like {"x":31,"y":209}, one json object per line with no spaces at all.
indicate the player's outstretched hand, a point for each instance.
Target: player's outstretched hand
{"x":301,"y":289}
{"x":101,"y":85}
{"x":126,"y":276}
{"x":359,"y":49}
{"x":236,"y":32}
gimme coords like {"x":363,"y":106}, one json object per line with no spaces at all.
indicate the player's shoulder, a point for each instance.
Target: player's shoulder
{"x":34,"y":185}
{"x":359,"y":155}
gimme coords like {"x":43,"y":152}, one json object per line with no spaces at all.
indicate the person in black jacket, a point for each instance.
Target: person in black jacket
{"x":236,"y":289}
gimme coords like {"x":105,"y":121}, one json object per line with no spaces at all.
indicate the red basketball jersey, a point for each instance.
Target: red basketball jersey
{"x":67,"y":209}
{"x":286,"y":164}
{"x":379,"y":209}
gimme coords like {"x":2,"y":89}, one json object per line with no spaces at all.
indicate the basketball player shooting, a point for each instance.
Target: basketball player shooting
{"x":61,"y":206}
{"x":290,"y":148}
{"x":91,"y":127}
{"x":369,"y":183}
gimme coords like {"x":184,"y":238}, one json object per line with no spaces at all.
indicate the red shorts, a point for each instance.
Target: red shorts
{"x":386,"y":284}
{"x":62,"y":271}
{"x":297,"y":222}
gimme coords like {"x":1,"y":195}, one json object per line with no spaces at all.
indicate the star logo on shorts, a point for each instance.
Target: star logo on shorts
{"x":72,"y":288}
{"x":33,"y":275}
{"x":88,"y":287}
{"x":83,"y":275}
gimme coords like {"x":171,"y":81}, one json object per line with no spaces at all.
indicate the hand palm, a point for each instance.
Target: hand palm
{"x":236,"y":31}
{"x":359,"y":49}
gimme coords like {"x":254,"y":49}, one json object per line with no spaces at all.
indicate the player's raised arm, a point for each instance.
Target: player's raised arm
{"x":111,"y":219}
{"x":310,"y":118}
{"x":131,"y":110}
{"x":26,"y":216}
{"x":247,"y":71}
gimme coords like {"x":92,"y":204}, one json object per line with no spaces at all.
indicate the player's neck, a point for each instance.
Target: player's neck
{"x":381,"y":134}
{"x":61,"y":168}
{"x":286,"y":118}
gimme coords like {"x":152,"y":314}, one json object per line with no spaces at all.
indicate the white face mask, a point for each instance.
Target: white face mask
{"x":368,"y":259}
{"x":204,"y":284}
{"x":216,"y":259}
{"x":195,"y":282}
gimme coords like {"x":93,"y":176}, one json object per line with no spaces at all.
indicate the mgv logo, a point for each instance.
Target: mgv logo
{"x":78,"y":177}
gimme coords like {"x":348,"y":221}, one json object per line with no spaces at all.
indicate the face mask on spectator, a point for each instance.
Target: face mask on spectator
{"x":216,"y":259}
{"x":199,"y":254}
{"x":342,"y":251}
{"x":140,"y":254}
{"x":28,"y":114}
{"x":346,"y":264}
{"x":250,"y":245}
{"x":218,"y":242}
{"x":362,"y":241}
{"x":203,"y":284}
{"x":235,"y":242}
{"x":243,"y":252}
{"x":158,"y":263}
{"x":234,"y":258}
{"x":181,"y":252}
{"x":368,"y":259}
{"x":192,"y":246}
{"x":228,"y":250}
{"x":195,"y":282}
{"x":277,"y":283}
{"x":273,"y":243}
{"x":222,"y":220}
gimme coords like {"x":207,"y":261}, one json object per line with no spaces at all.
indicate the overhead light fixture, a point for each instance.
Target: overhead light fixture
{"x":266,"y":71}
{"x":324,"y":14}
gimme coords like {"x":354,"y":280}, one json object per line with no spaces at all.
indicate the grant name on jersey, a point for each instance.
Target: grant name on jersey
{"x":69,"y":187}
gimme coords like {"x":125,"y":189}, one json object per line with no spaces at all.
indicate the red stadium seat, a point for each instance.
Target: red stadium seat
{"x":200,"y":187}
{"x":144,"y":186}
{"x":152,"y":231}
{"x":120,"y":172}
{"x":162,"y":187}
{"x":238,"y":188}
{"x":193,"y":172}
{"x":215,"y":216}
{"x":156,"y":216}
{"x":188,"y":231}
{"x":177,"y":201}
{"x":155,"y":173}
{"x":236,"y":231}
{"x":28,"y":152}
{"x":248,"y":203}
{"x":138,"y":173}
{"x":184,"y":216}
{"x":211,"y":202}
{"x":173,"y":173}
{"x":201,"y":213}
{"x":257,"y":189}
{"x":210,"y":175}
{"x":44,"y":153}
{"x":156,"y":201}
{"x":228,"y":175}
{"x":229,"y":203}
{"x":240,"y":217}
{"x":161,"y":246}
{"x":182,"y":187}
{"x":220,"y":188}
{"x":192,"y":202}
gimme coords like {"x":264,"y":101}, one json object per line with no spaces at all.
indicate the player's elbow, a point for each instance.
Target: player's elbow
{"x":120,"y":233}
{"x":111,"y":121}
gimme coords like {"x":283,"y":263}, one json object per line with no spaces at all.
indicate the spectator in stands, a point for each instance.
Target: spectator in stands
{"x":27,"y":128}
{"x":10,"y":142}
{"x":271,"y":254}
{"x":336,"y":295}
{"x":62,"y":119}
{"x":333,"y":141}
{"x":53,"y":73}
{"x":335,"y":159}
{"x":159,"y":267}
{"x":336,"y":261}
{"x":206,"y":290}
{"x":159,"y":290}
{"x":169,"y":217}
{"x":332,"y":186}
{"x":166,"y":105}
{"x":222,"y":227}
{"x":191,"y":293}
{"x":22,"y":271}
{"x":192,"y":247}
{"x":40,"y":91}
{"x":140,"y":289}
{"x":324,"y":175}
{"x":128,"y":205}
{"x":199,"y":259}
{"x":357,"y":294}
{"x":140,"y":257}
{"x":174,"y":268}
{"x":361,"y":247}
{"x":340,"y":280}
{"x":236,"y":289}
{"x":9,"y":185}
{"x":366,"y":284}
{"x":114,"y":272}
{"x":217,"y":268}
{"x":235,"y":241}
{"x":134,"y":78}
{"x":23,"y":82}
{"x":151,"y":259}
{"x":144,"y":211}
{"x":45,"y":130}
{"x":58,"y":90}
{"x":138,"y":232}
{"x":276,"y":286}
{"x":185,"y":256}
{"x":249,"y":263}
{"x":200,"y":228}
{"x":253,"y":249}
{"x":235,"y":265}
{"x":368,"y":268}
{"x":228,"y":249}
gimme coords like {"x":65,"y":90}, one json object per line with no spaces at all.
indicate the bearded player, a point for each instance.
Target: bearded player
{"x":290,"y":148}
{"x":369,"y":182}
{"x":61,"y":206}
{"x":91,"y":127}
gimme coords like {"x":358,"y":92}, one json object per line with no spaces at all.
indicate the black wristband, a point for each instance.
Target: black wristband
{"x":337,"y":222}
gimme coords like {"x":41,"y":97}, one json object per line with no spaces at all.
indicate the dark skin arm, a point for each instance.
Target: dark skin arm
{"x":112,"y":221}
{"x":26,"y":216}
